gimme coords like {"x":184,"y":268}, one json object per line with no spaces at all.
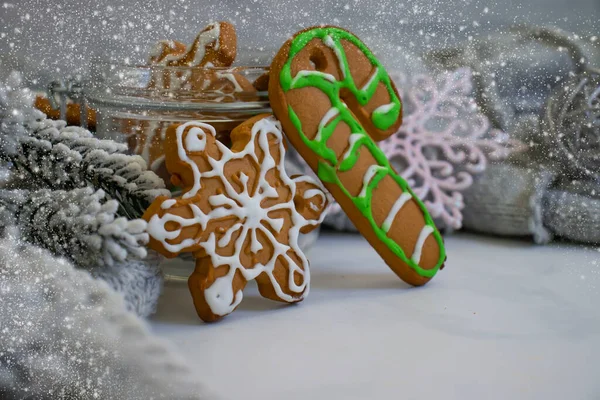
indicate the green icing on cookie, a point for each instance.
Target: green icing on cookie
{"x":382,"y":117}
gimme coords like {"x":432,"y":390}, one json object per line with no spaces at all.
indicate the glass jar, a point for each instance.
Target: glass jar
{"x":136,"y":104}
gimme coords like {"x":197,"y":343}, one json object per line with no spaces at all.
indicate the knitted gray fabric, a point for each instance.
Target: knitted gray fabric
{"x":66,"y":335}
{"x":516,"y":74}
{"x":138,"y":281}
{"x":507,"y":200}
{"x":572,"y":216}
{"x":515,"y":71}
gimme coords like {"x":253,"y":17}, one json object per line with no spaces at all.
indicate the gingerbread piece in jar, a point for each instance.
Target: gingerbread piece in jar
{"x":187,"y":74}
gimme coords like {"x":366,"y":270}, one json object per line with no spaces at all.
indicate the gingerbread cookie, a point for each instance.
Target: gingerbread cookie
{"x":228,"y":86}
{"x":73,"y":115}
{"x":240,"y":214}
{"x":262,"y":82}
{"x":192,"y":77}
{"x":165,"y":48}
{"x":335,"y":100}
{"x":215,"y":46}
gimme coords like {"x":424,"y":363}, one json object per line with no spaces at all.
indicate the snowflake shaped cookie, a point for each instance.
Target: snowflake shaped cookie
{"x":240,"y":214}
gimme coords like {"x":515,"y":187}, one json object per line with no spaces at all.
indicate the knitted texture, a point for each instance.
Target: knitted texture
{"x":140,"y":282}
{"x":573,"y":216}
{"x":507,"y":200}
{"x":65,"y":335}
{"x":530,"y":75}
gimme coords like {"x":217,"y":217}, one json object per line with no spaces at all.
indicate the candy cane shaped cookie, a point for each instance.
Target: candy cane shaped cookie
{"x":335,"y":100}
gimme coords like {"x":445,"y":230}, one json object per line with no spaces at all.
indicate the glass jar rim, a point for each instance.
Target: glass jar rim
{"x":122,"y":85}
{"x":112,"y":65}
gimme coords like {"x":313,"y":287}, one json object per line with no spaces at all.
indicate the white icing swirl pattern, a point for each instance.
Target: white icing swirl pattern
{"x":246,"y":206}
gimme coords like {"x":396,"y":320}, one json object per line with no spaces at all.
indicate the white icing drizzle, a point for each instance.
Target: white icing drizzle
{"x":371,"y":80}
{"x":168,"y":204}
{"x":160,"y":47}
{"x":195,"y":143}
{"x":231,"y":78}
{"x":197,"y":131}
{"x":329,"y":42}
{"x":204,"y":38}
{"x":315,"y":192}
{"x":163,"y":130}
{"x":303,"y":73}
{"x":220,"y":297}
{"x":248,"y":212}
{"x":383,"y":109}
{"x":354,"y":137}
{"x":205,"y":84}
{"x":156,"y":228}
{"x":148,"y":133}
{"x":371,"y":172}
{"x":157,"y":163}
{"x":310,"y":193}
{"x":425,"y":232}
{"x":387,"y":224}
{"x":222,"y":91}
{"x":329,"y":115}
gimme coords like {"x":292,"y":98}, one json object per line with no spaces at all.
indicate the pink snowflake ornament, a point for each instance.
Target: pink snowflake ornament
{"x":443,"y":142}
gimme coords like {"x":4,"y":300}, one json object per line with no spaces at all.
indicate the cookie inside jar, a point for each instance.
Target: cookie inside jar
{"x":136,"y":104}
{"x":178,"y":83}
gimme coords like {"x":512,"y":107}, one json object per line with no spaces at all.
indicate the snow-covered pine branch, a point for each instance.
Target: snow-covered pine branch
{"x":63,"y":158}
{"x":124,"y":178}
{"x":39,"y":164}
{"x":79,"y":224}
{"x":75,"y":138}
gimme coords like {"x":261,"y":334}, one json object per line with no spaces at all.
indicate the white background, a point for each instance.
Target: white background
{"x":521,"y":324}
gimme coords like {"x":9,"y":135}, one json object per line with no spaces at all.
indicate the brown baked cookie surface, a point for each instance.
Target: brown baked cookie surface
{"x":240,"y":214}
{"x":215,"y":46}
{"x":166,"y":48}
{"x":335,"y":100}
{"x":198,"y":73}
{"x":73,"y":116}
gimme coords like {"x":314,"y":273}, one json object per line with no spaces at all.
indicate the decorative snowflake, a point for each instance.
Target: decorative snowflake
{"x":240,"y":215}
{"x":443,"y":141}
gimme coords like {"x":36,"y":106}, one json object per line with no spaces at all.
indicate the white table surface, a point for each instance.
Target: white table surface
{"x":505,"y":319}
